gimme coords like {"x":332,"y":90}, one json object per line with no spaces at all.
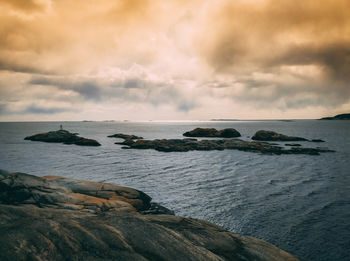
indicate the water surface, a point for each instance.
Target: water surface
{"x":300,"y":203}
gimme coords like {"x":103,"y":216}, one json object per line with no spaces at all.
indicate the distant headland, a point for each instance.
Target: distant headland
{"x":344,"y":116}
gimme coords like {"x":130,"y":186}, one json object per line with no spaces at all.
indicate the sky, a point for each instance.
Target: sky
{"x":173,"y":60}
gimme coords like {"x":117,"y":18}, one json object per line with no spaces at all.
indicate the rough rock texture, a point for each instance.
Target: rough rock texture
{"x":54,"y":218}
{"x":125,"y":136}
{"x":274,"y":136}
{"x":63,"y":136}
{"x":213,"y":133}
{"x":345,"y":116}
{"x":182,"y":145}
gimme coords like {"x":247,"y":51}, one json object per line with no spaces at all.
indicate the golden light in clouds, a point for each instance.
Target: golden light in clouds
{"x":142,"y":59}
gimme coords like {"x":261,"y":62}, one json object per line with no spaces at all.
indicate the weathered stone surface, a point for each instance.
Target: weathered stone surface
{"x":213,"y":133}
{"x":125,"y":136}
{"x":292,"y":144}
{"x":54,"y":218}
{"x":345,"y":116}
{"x":63,"y":136}
{"x":182,"y":145}
{"x":264,"y":135}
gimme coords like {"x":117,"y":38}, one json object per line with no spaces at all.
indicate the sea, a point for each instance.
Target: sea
{"x":300,"y":203}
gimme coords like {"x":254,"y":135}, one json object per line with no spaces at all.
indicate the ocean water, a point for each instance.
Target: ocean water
{"x":300,"y":203}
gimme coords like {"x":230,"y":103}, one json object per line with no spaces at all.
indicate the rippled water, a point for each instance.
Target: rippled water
{"x":300,"y":203}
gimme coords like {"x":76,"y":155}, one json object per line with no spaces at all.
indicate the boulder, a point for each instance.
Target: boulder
{"x":264,"y":135}
{"x":212,"y":133}
{"x":63,"y":136}
{"x":55,"y":218}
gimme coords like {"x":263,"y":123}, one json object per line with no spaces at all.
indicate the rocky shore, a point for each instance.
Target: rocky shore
{"x":55,"y":218}
{"x":63,"y":136}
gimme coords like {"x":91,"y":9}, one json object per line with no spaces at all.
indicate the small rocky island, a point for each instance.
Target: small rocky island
{"x":55,"y":218}
{"x":125,"y":136}
{"x":63,"y":136}
{"x":264,"y":135}
{"x":344,"y":116}
{"x":183,"y":145}
{"x":213,"y":133}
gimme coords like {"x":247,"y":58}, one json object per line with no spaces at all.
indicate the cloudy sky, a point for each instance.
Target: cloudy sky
{"x":173,"y":60}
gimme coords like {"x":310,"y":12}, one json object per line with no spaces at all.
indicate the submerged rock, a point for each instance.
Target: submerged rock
{"x":125,"y":136}
{"x":182,"y":145}
{"x":213,"y":133}
{"x":264,"y":135}
{"x":345,"y":116}
{"x":63,"y":136}
{"x":54,"y":218}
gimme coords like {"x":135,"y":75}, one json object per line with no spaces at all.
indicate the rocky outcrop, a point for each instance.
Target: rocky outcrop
{"x":125,"y":136}
{"x":182,"y":145}
{"x":345,"y":116}
{"x":264,"y":135}
{"x":55,"y":218}
{"x":213,"y":133}
{"x":63,"y":136}
{"x":317,"y":140}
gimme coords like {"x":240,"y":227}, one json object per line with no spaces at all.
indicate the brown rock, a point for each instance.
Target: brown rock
{"x":54,"y":218}
{"x":264,"y":135}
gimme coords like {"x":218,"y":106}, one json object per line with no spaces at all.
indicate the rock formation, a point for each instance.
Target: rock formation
{"x":181,"y":145}
{"x":212,"y":133}
{"x":63,"y":136}
{"x":125,"y":136}
{"x":54,"y":218}
{"x":345,"y":116}
{"x":264,"y":135}
{"x":317,"y":140}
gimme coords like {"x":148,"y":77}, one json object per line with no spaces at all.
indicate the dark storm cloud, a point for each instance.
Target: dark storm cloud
{"x":89,"y":90}
{"x":134,"y":83}
{"x":334,"y":58}
{"x":24,"y":5}
{"x":32,"y":109}
{"x":276,"y":40}
{"x":186,"y":106}
{"x":22,"y":68}
{"x":131,"y":89}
